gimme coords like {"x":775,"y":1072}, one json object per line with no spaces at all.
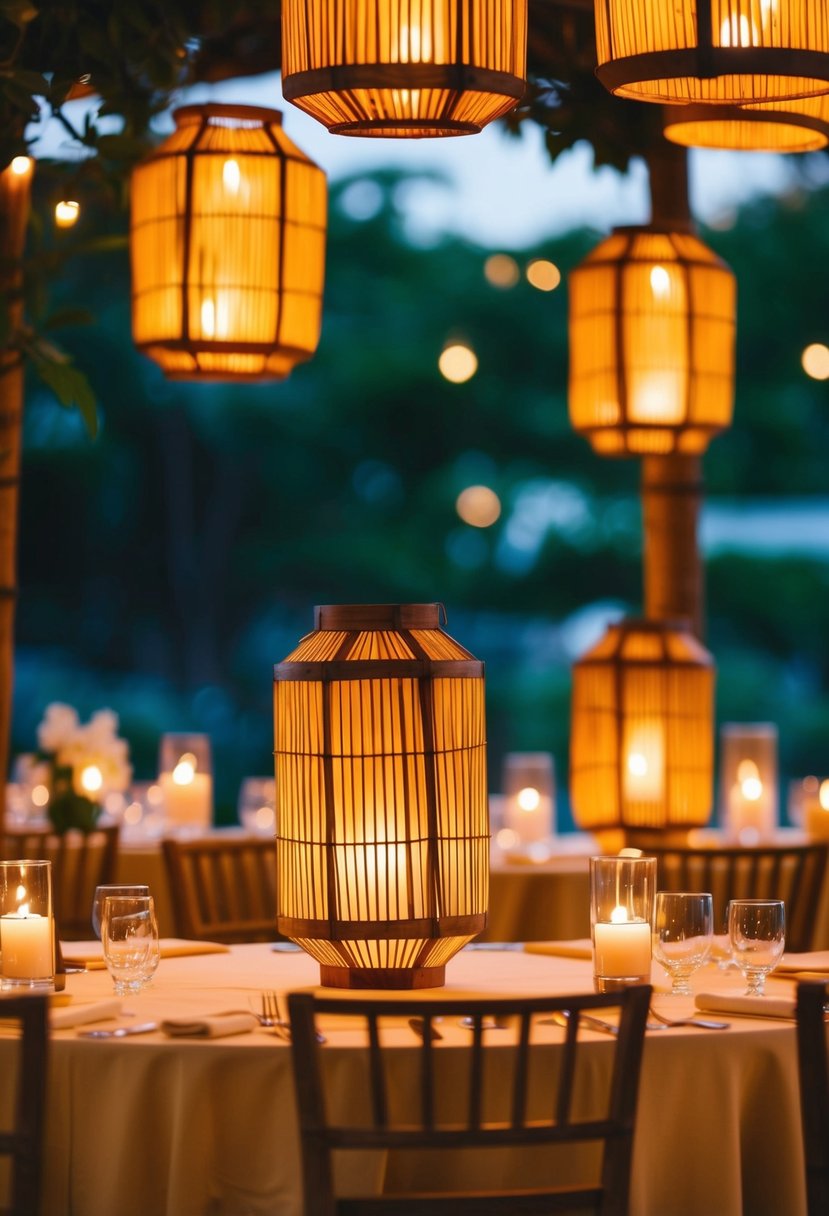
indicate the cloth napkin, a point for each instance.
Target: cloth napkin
{"x":90,"y":954}
{"x":78,"y":1015}
{"x":211,"y":1026}
{"x":814,"y":962}
{"x":746,"y":1006}
{"x":579,"y":947}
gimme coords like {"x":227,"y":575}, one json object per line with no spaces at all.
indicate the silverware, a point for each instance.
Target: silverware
{"x":703,"y":1023}
{"x":118,"y":1032}
{"x":272,"y":1017}
{"x":562,"y":1018}
{"x":497,"y":1023}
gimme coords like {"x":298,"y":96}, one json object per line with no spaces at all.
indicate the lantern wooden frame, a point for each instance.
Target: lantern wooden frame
{"x":382,"y":839}
{"x":779,"y":126}
{"x":651,"y":373}
{"x":404,"y":68}
{"x":227,"y":268}
{"x":644,"y":691}
{"x":718,"y":52}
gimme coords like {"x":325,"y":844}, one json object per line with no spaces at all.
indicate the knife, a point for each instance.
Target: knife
{"x":120,"y":1032}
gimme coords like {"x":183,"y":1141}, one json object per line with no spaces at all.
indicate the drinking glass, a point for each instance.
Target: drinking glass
{"x":683,"y":925}
{"x":112,"y":888}
{"x":756,"y":930}
{"x":154,"y":952}
{"x":128,"y":930}
{"x":257,"y":805}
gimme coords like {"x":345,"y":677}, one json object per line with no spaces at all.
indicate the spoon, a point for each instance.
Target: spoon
{"x":119,"y":1032}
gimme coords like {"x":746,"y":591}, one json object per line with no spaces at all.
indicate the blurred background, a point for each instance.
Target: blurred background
{"x":167,"y":565}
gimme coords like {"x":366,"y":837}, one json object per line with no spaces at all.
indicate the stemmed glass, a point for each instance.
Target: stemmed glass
{"x":101,"y":893}
{"x":682,"y":932}
{"x":129,"y":935}
{"x":756,"y":930}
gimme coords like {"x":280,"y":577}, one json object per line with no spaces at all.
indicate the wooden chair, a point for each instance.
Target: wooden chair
{"x":80,"y":863}
{"x":23,"y":1141}
{"x":813,"y":1066}
{"x":223,"y":890}
{"x":793,"y":873}
{"x":422,"y":1126}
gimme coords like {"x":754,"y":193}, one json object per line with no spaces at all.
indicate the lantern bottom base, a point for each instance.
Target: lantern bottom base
{"x":381,"y":977}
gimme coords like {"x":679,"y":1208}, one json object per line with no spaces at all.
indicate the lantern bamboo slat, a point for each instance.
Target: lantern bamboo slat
{"x":778,"y":126}
{"x":382,"y":815}
{"x":717,"y":52}
{"x":227,"y":242}
{"x":407,"y":68}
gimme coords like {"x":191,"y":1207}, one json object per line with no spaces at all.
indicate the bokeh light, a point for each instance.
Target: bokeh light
{"x":458,"y":362}
{"x":66,"y":213}
{"x":479,"y":506}
{"x":543,"y":275}
{"x":500,"y":270}
{"x":815,"y":360}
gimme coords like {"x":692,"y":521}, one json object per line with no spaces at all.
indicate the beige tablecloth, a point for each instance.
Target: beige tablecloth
{"x":151,"y":1126}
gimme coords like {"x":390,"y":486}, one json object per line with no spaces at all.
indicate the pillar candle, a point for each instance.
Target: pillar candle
{"x":622,"y":949}
{"x":26,"y":944}
{"x":188,"y":803}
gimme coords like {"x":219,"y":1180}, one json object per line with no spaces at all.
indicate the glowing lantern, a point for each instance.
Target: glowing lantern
{"x":227,"y":247}
{"x":777,"y":126}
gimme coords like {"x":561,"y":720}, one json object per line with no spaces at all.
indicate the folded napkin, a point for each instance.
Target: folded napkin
{"x":78,"y":1015}
{"x":90,"y":954}
{"x":579,"y":947}
{"x":211,"y":1026}
{"x":746,"y":1006}
{"x":816,"y":962}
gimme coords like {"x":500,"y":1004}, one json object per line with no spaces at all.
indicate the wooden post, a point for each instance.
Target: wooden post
{"x":15,"y":193}
{"x":672,"y":484}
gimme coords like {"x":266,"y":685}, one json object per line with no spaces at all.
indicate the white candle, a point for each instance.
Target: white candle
{"x":529,"y":813}
{"x":26,"y":945}
{"x":188,"y":798}
{"x":816,"y":813}
{"x":622,"y":949}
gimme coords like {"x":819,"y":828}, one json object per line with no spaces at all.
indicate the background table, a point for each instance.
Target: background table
{"x":184,"y":1127}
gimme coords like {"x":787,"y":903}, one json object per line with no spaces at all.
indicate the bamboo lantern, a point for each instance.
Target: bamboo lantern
{"x":227,"y":247}
{"x":642,"y":730}
{"x":651,"y":329}
{"x":777,"y":126}
{"x":382,"y":842}
{"x":719,"y":52}
{"x":404,"y":68}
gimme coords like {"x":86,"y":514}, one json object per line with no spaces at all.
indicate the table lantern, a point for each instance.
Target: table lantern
{"x":622,"y":893}
{"x":529,"y":796}
{"x":775,"y":126}
{"x":404,"y":68}
{"x":185,"y":780}
{"x":651,"y":330}
{"x":719,"y":52}
{"x":227,"y":244}
{"x":27,"y":926}
{"x":382,"y":838}
{"x":748,"y":780}
{"x":642,"y":731}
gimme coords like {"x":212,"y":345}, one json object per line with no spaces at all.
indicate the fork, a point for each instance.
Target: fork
{"x":703,"y":1023}
{"x":273,"y":1017}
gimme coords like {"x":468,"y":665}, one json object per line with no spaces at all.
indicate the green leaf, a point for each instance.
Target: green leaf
{"x":71,"y":387}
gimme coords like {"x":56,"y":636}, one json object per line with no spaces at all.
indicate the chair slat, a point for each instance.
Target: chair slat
{"x":23,"y":1142}
{"x":223,"y":889}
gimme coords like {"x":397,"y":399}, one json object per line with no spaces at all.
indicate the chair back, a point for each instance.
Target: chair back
{"x":80,"y":863}
{"x":22,"y":1142}
{"x":538,"y":1093}
{"x":793,"y":873}
{"x":223,"y":890}
{"x":814,"y":1092}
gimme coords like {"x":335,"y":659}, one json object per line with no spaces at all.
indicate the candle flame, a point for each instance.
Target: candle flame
{"x":185,"y":770}
{"x":92,"y":778}
{"x":231,"y":176}
{"x":20,"y":893}
{"x":529,"y":799}
{"x":748,"y":775}
{"x":23,"y":910}
{"x":21,"y":165}
{"x":619,"y":915}
{"x":637,"y":764}
{"x":660,"y":282}
{"x":823,"y":796}
{"x":66,"y":213}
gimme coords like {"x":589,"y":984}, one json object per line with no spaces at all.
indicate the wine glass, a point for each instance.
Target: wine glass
{"x":682,"y":930}
{"x":112,"y":888}
{"x":128,"y":929}
{"x":756,"y":930}
{"x":154,"y":952}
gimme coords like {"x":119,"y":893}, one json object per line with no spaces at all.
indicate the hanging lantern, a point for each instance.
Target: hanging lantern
{"x":642,"y":730}
{"x":227,"y":247}
{"x":651,"y":328}
{"x":777,"y":126}
{"x":404,"y":68}
{"x":382,"y":840}
{"x":723,"y":52}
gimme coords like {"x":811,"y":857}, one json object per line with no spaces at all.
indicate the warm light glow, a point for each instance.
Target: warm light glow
{"x":637,"y":764}
{"x":645,"y":764}
{"x":823,"y":796}
{"x":20,"y":894}
{"x":478,"y":506}
{"x":748,"y":777}
{"x":21,"y":165}
{"x":501,"y":270}
{"x":528,"y":799}
{"x":40,"y":795}
{"x":264,"y":818}
{"x":543,"y":275}
{"x":231,"y":176}
{"x":66,"y":213}
{"x":155,"y":795}
{"x":815,"y":361}
{"x":404,"y":69}
{"x":133,"y":813}
{"x":507,"y":839}
{"x":619,"y":915}
{"x":737,"y":30}
{"x":458,"y":362}
{"x":92,"y":779}
{"x":185,"y":770}
{"x":660,"y":282}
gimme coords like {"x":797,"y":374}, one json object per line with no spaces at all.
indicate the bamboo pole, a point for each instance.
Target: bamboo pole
{"x":15,"y":194}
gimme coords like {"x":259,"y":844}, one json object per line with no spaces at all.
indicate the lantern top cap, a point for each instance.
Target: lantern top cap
{"x":236,"y":113}
{"x":379,"y":616}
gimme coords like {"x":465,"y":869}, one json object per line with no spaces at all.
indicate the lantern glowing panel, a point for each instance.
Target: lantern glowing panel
{"x":382,"y":839}
{"x":719,"y":52}
{"x":642,"y":748}
{"x":404,"y":68}
{"x":777,"y":126}
{"x":651,"y":330}
{"x":227,"y":247}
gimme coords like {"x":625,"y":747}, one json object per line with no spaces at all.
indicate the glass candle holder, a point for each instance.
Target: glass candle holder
{"x":529,"y":795}
{"x":27,"y":926}
{"x":621,"y":912}
{"x":257,"y":805}
{"x":748,"y":780}
{"x":186,"y":780}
